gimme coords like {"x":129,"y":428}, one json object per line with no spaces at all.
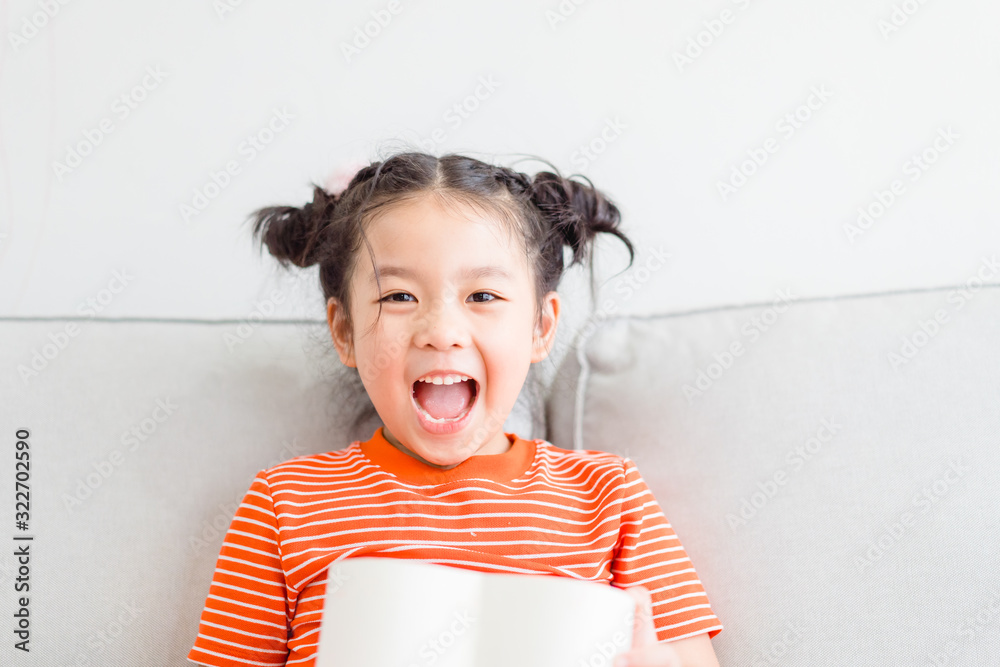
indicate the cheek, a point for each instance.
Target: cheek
{"x":507,"y":356}
{"x":381,"y":363}
{"x":513,"y":340}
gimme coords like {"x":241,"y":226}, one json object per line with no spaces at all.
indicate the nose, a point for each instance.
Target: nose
{"x":442,"y":325}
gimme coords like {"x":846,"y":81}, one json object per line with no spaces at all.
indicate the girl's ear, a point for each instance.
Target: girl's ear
{"x":336,"y":319}
{"x":545,"y":332}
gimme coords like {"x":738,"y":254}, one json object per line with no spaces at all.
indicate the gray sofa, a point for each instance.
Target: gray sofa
{"x":829,"y":464}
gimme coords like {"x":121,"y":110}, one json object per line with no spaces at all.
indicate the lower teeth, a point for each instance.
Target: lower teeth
{"x":442,"y":420}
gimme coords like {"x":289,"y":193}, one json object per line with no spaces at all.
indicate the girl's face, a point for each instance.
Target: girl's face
{"x":457,"y":299}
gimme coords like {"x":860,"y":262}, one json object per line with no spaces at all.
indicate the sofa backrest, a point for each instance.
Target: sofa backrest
{"x":833,"y":481}
{"x":830,"y":465}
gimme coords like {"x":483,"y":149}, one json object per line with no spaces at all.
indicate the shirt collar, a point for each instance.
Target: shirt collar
{"x":496,"y":467}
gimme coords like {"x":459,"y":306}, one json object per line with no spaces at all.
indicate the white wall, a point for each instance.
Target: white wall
{"x":683,"y":129}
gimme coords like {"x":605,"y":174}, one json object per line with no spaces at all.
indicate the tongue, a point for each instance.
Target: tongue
{"x":444,"y":401}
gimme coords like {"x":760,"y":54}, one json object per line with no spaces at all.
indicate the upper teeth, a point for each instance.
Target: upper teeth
{"x":444,"y":379}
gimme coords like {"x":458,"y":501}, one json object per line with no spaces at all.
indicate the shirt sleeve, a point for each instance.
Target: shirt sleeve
{"x":246,"y":620}
{"x":649,"y":553}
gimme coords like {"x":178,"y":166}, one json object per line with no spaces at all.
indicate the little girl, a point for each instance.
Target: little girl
{"x":440,"y":276}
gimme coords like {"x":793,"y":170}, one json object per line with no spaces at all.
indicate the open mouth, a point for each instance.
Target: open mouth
{"x":444,"y":400}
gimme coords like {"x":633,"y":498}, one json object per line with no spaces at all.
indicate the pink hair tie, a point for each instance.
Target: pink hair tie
{"x":338,"y":181}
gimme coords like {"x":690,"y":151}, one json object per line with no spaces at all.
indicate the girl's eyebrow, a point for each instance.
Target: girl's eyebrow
{"x":492,"y":271}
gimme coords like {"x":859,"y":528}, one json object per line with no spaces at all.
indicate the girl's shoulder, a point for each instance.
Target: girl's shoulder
{"x":595,"y":456}
{"x":319,"y":461}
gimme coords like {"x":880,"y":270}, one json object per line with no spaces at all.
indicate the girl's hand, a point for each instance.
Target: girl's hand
{"x":646,"y":651}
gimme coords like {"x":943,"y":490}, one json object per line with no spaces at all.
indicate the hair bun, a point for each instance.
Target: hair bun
{"x":577,"y":213}
{"x":291,"y":233}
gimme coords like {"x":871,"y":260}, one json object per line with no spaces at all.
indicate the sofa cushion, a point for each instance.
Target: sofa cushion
{"x":829,"y":464}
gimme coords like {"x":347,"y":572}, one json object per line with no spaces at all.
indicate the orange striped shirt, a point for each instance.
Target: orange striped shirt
{"x":534,"y":509}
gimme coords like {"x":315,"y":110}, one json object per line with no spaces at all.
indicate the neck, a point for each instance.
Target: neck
{"x":403,"y":448}
{"x":406,"y":450}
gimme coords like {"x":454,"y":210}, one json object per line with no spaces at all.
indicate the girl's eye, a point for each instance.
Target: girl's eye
{"x":492,"y":297}
{"x":409,"y":297}
{"x":390,"y":297}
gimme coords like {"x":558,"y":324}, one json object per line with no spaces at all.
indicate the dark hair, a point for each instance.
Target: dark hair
{"x":547,"y":212}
